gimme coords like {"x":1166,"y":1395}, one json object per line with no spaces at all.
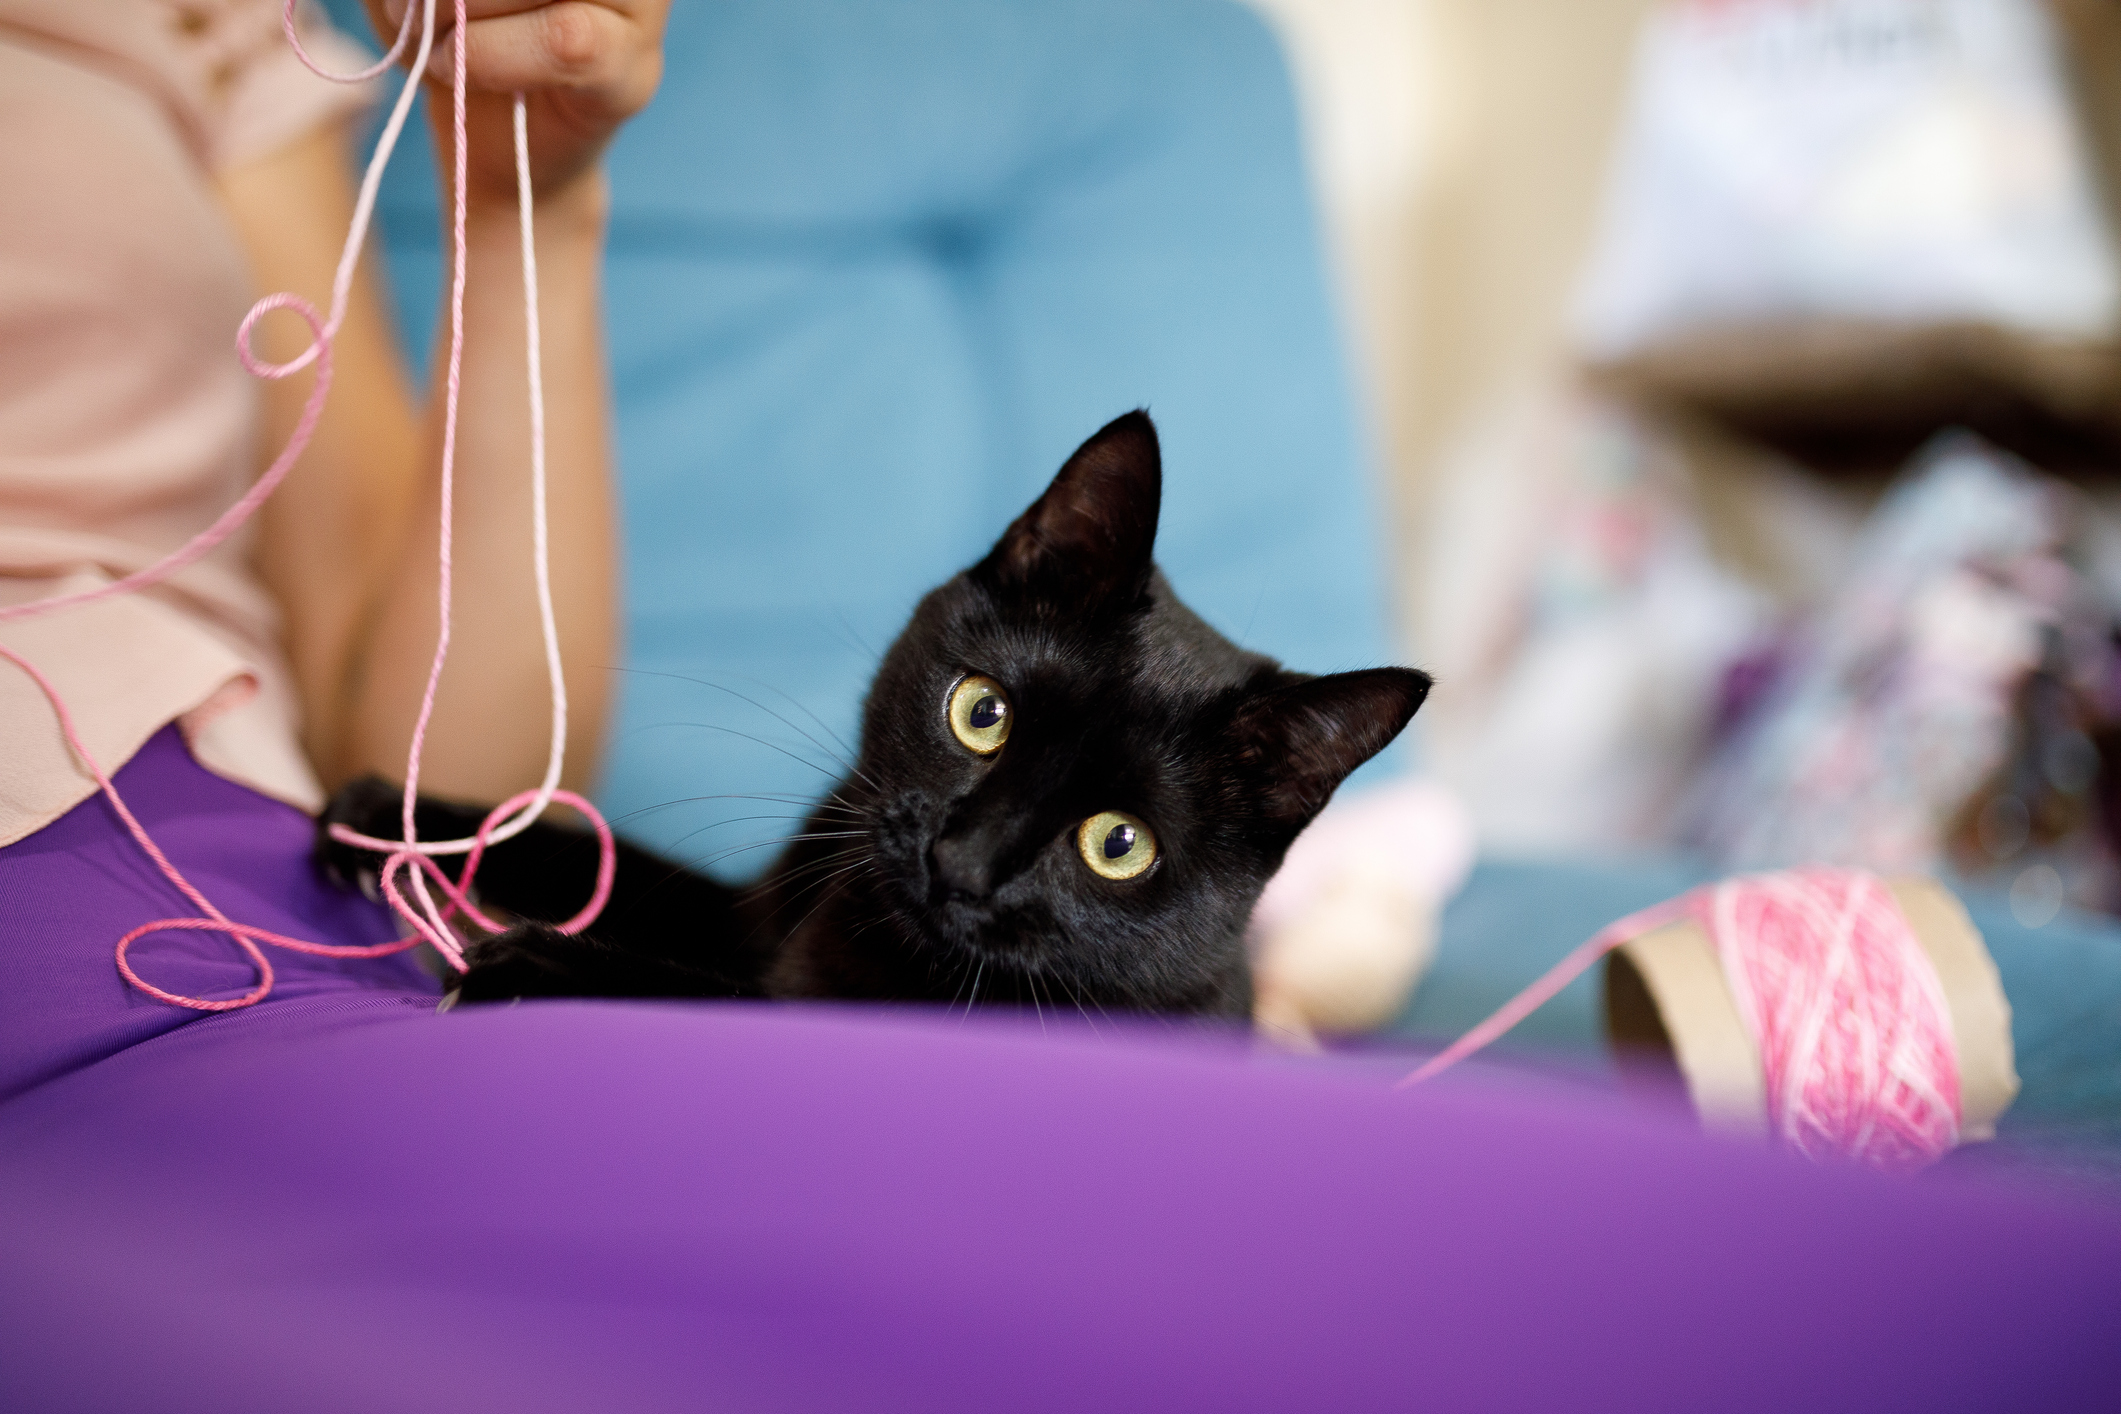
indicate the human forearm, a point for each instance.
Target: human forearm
{"x":351,"y":550}
{"x":333,"y":532}
{"x":489,"y":734}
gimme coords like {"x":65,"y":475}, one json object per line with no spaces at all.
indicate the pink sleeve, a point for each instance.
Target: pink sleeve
{"x":268,"y":97}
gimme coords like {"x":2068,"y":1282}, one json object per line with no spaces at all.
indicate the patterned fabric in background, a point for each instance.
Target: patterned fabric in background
{"x":1934,"y":710}
{"x":1923,"y":679}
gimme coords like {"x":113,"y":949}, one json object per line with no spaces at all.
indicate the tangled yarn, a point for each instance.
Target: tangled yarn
{"x":409,"y":866}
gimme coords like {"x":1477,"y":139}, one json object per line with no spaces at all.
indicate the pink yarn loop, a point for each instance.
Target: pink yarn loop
{"x":294,"y":40}
{"x":214,"y":921}
{"x":243,"y":933}
{"x":397,"y":857}
{"x":1852,"y":1024}
{"x":428,"y":923}
{"x":318,"y":341}
{"x":231,"y":519}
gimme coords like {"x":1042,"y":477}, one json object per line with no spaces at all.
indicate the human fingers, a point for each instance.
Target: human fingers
{"x":587,"y":48}
{"x":446,"y":10}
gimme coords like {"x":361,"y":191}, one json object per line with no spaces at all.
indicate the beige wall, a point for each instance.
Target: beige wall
{"x":1459,"y":147}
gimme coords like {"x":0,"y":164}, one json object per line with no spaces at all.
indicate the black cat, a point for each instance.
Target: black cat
{"x":1070,"y":791}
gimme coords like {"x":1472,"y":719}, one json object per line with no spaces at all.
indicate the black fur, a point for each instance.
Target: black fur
{"x":962,"y":880}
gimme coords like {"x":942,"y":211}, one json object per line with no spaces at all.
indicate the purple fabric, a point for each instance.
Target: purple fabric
{"x":340,"y":1201}
{"x":71,"y":890}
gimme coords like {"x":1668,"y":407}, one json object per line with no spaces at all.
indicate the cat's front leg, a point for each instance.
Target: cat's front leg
{"x":374,"y":807}
{"x":538,"y":960}
{"x":544,"y":874}
{"x":664,"y":932}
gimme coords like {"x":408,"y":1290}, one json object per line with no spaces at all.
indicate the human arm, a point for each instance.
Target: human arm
{"x":349,"y":543}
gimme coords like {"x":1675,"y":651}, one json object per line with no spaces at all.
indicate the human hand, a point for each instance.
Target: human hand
{"x":583,"y":66}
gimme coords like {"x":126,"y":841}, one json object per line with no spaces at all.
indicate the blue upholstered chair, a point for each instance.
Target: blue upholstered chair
{"x":876,"y":268}
{"x":875,"y":271}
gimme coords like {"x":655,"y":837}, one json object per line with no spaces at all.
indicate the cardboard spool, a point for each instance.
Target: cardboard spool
{"x":1665,"y":996}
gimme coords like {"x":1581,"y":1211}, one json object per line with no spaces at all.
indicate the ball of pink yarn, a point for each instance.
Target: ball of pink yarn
{"x":1851,"y":1021}
{"x":1854,"y":1031}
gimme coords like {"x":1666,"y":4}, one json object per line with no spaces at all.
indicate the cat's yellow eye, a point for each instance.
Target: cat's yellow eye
{"x":979,"y":714}
{"x":1116,"y":845}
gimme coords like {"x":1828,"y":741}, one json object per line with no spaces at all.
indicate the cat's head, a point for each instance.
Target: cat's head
{"x":1076,"y":787}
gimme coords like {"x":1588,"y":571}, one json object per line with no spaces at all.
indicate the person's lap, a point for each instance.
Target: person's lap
{"x":338,"y":1198}
{"x":71,"y":890}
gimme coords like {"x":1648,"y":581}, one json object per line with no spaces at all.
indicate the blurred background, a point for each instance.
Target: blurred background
{"x":1721,"y":397}
{"x":1746,"y":375}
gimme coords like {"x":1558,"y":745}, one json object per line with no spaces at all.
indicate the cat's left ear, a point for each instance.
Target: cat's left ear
{"x":1307,"y":735}
{"x":1092,"y":535}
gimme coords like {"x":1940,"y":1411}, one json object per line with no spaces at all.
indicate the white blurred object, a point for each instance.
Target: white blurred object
{"x":1580,"y":626}
{"x":1347,"y":926}
{"x":1904,"y":161}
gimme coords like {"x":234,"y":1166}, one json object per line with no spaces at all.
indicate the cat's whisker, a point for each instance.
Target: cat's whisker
{"x":799,"y":759}
{"x":739,"y":820}
{"x":964,"y":974}
{"x":826,"y":897}
{"x":794,"y":800}
{"x":778,"y":880}
{"x":973,"y":1000}
{"x":851,"y":797}
{"x":846,"y":761}
{"x":859,"y":642}
{"x":836,"y":797}
{"x":840,"y":852}
{"x":1075,"y":998}
{"x":799,"y":705}
{"x":857,"y":930}
{"x":847,"y":752}
{"x":1100,"y":1007}
{"x":702,"y":861}
{"x":820,"y":880}
{"x":867,"y":861}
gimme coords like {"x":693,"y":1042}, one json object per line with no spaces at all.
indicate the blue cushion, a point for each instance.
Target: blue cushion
{"x":875,"y":270}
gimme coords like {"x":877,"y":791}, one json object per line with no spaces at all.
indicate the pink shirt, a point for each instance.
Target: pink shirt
{"x":126,"y":423}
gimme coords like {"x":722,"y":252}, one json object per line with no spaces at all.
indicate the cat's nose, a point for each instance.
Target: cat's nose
{"x":963,"y":867}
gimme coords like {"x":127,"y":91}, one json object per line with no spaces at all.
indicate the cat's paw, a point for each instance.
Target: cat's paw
{"x":529,"y":960}
{"x":370,"y":806}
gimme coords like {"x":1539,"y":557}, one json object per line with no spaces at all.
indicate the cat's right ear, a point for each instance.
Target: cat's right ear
{"x":1307,"y":734}
{"x":1092,"y":535}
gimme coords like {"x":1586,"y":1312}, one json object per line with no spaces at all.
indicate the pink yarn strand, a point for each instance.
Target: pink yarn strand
{"x":243,"y":509}
{"x":1548,"y":985}
{"x":435,"y":926}
{"x":214,"y":921}
{"x":294,"y":42}
{"x":408,"y":855}
{"x":1853,"y":1028}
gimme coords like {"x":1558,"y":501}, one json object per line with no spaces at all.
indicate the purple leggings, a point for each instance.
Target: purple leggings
{"x":339,"y":1200}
